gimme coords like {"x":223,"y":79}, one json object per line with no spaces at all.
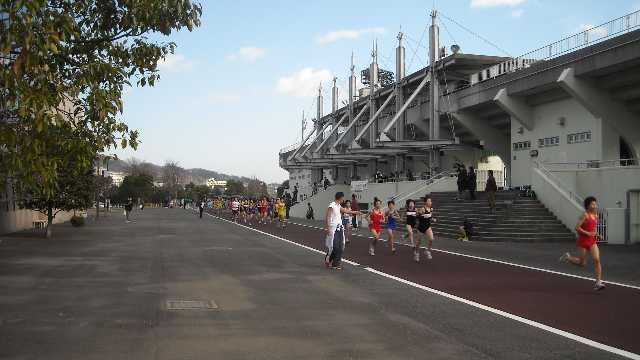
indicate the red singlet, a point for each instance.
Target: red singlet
{"x":376,"y":218}
{"x":589,"y":225}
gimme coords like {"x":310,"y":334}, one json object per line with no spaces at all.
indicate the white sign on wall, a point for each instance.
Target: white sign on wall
{"x":359,"y":186}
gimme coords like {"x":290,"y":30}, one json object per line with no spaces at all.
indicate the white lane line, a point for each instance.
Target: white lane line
{"x":505,"y":314}
{"x":517,"y":318}
{"x":508,"y":263}
{"x":281,"y":238}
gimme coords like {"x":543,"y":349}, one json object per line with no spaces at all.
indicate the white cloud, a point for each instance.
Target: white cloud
{"x":494,"y":3}
{"x":175,"y":63}
{"x":333,"y":36}
{"x":248,"y":54}
{"x":223,"y":98}
{"x":601,"y":31}
{"x":517,"y":13}
{"x":304,"y":82}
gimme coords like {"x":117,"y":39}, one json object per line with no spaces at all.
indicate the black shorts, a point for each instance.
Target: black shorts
{"x":423,"y":228}
{"x":411,"y":222}
{"x":234,"y":212}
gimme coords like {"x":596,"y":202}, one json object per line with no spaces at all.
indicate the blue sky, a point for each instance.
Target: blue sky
{"x":233,"y":93}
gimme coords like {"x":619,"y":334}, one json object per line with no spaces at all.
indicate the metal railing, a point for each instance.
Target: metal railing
{"x":601,"y":229}
{"x":399,"y":198}
{"x":572,"y":194}
{"x":289,"y":148}
{"x":594,"y":164}
{"x":582,"y":39}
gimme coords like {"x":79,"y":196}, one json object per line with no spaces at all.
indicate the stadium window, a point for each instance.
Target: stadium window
{"x":579,"y":137}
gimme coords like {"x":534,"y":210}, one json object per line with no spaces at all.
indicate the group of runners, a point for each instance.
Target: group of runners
{"x":259,"y":211}
{"x":338,"y":222}
{"x":338,"y":226}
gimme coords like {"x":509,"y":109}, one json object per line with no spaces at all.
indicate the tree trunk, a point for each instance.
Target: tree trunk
{"x":49,"y":221}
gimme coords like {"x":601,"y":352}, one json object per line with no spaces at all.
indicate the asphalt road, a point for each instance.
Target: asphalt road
{"x":101,"y":292}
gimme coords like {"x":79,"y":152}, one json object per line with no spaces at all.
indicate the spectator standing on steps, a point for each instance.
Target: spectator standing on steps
{"x":491,"y":189}
{"x":326,"y":183}
{"x":462,"y":182}
{"x":295,"y":193}
{"x":471,"y":183}
{"x":310,"y":212}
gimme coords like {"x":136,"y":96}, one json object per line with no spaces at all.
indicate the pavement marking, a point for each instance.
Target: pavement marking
{"x":517,"y":318}
{"x":505,"y":314}
{"x":504,"y":262}
{"x":281,"y":238}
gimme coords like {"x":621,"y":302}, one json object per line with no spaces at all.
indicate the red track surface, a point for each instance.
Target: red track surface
{"x":611,"y":317}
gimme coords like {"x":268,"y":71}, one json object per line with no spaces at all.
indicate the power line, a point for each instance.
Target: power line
{"x":475,"y":34}
{"x":420,"y":42}
{"x":449,"y":33}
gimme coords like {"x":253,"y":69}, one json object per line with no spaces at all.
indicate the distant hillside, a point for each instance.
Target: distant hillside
{"x":197,"y":176}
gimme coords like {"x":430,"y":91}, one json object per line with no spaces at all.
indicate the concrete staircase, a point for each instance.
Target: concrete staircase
{"x":516,"y":219}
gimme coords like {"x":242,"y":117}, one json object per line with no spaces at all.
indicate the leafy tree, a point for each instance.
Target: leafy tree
{"x":74,"y":185}
{"x":160,"y":196}
{"x":235,"y":187}
{"x":135,"y":187}
{"x":68,"y":61}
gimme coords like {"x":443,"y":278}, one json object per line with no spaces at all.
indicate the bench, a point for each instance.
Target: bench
{"x":40,"y":224}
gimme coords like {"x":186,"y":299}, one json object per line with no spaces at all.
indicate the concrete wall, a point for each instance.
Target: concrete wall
{"x":556,"y":199}
{"x":608,"y":185}
{"x":319,"y":202}
{"x":383,"y":192}
{"x":604,"y":142}
{"x":22,"y":219}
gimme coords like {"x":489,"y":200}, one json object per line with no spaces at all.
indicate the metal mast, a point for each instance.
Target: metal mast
{"x":352,"y":88}
{"x":334,"y":96}
{"x":319,"y":114}
{"x":400,"y":73}
{"x":373,"y":81}
{"x":434,"y":85}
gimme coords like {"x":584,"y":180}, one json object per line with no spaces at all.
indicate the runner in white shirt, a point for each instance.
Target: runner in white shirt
{"x":334,"y":240}
{"x":235,"y":208}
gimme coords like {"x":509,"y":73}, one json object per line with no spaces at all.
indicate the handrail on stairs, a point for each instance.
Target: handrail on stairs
{"x":574,"y":196}
{"x":398,"y":199}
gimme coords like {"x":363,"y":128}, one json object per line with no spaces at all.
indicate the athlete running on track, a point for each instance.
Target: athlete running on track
{"x":587,"y":237}
{"x":425,"y":218}
{"x":264,"y":207}
{"x":235,"y":209}
{"x":411,"y":219}
{"x":281,"y":210}
{"x":375,"y":218}
{"x":347,"y":220}
{"x":392,"y":217}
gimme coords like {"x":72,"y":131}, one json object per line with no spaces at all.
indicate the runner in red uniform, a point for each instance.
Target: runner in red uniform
{"x":264,"y":206}
{"x":587,"y":236}
{"x":375,"y":217}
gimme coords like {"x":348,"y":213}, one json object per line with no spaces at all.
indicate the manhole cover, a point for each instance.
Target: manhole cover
{"x":191,"y":305}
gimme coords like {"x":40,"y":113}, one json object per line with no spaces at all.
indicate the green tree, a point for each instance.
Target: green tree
{"x":135,"y":187}
{"x":74,"y":186}
{"x":68,"y":61}
{"x":235,"y":187}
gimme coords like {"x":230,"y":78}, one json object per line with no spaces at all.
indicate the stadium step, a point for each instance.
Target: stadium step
{"x":516,"y":219}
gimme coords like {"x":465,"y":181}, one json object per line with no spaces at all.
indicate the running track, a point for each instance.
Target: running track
{"x":610,"y":317}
